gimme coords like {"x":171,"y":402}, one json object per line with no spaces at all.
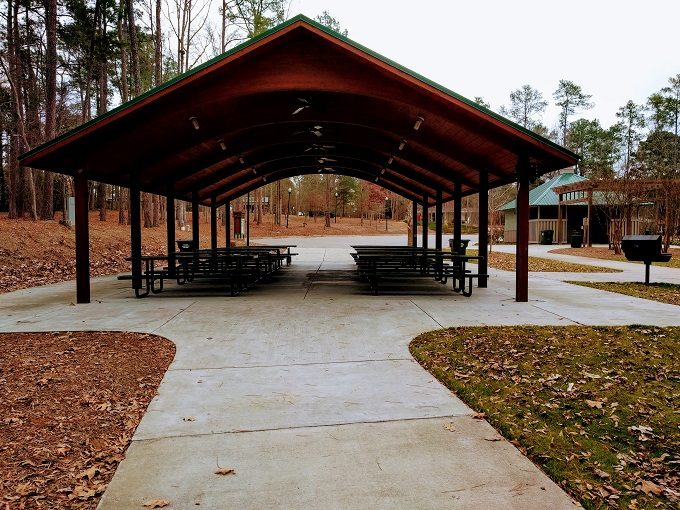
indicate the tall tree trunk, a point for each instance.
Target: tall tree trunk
{"x":122,"y":205}
{"x":258,"y":206}
{"x":158,"y":47}
{"x":223,"y":45}
{"x":134,"y":49}
{"x":146,"y":210}
{"x":155,"y":212}
{"x":122,"y":38}
{"x":13,"y":154}
{"x":328,"y":201}
{"x":47,"y":209}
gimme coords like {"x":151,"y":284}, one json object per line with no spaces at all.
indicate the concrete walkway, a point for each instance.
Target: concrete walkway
{"x":306,"y":388}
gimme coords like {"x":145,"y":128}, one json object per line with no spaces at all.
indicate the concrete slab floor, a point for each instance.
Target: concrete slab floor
{"x":308,"y":390}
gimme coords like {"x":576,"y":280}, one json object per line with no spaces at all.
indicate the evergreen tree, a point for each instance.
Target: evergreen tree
{"x":571,"y":99}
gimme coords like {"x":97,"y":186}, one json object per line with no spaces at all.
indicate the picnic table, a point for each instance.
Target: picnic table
{"x":376,"y":263}
{"x":237,"y":267}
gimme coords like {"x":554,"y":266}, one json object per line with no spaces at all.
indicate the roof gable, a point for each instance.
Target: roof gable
{"x":544,"y":195}
{"x":243,"y":99}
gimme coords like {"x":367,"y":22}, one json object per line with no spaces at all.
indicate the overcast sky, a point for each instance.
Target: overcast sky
{"x":615,"y":50}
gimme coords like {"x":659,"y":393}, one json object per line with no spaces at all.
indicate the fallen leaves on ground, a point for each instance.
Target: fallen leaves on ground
{"x":225,"y":471}
{"x":602,"y":252}
{"x":506,"y":262}
{"x":157,"y":503}
{"x":69,"y":405}
{"x":34,"y":253}
{"x":662,"y":292}
{"x":595,"y":407}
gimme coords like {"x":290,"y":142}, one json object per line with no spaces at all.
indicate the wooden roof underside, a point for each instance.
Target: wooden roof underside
{"x":358,"y":110}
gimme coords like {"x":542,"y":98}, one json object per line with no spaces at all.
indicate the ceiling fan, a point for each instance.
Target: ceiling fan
{"x":319,"y":147}
{"x":304,"y":104}
{"x":314,"y":130}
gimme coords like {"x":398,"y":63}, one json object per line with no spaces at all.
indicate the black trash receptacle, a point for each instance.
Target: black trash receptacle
{"x":546,"y":237}
{"x":576,"y":239}
{"x":186,"y":245}
{"x":463,"y":245}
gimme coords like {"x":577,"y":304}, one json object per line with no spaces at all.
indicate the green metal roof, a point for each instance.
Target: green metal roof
{"x":327,"y":30}
{"x":544,"y":194}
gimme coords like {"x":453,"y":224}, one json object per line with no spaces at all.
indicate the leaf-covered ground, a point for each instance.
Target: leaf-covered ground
{"x":506,"y":262}
{"x":602,"y":252}
{"x":34,"y":253}
{"x":595,"y":407}
{"x":663,"y":292}
{"x":69,"y":405}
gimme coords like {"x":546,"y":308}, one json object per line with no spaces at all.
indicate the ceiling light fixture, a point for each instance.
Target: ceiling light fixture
{"x":382,"y":172}
{"x":223,"y":145}
{"x":376,"y":179}
{"x":390,"y":161}
{"x":419,"y":122}
{"x":402,"y":144}
{"x":254,"y":170}
{"x":241,"y":160}
{"x":194,"y":122}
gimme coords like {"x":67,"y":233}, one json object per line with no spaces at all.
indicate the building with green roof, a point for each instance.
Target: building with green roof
{"x":543,"y":213}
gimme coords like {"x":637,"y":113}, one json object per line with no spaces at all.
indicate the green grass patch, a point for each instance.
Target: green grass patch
{"x":595,"y":407}
{"x":662,"y":292}
{"x":599,"y":252}
{"x":506,"y":262}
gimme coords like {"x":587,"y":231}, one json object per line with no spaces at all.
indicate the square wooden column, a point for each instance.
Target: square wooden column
{"x":227,"y":224}
{"x":170,"y":228}
{"x":425,"y":221}
{"x":248,"y":219}
{"x":483,"y":243}
{"x":82,"y":238}
{"x":135,"y":233}
{"x":195,"y":222}
{"x":457,"y":216}
{"x":522,"y":246}
{"x":559,"y":219}
{"x":213,"y":224}
{"x":414,"y":223}
{"x":439,"y":223}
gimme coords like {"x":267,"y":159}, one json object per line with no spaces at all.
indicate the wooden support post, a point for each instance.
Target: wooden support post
{"x":559,"y":218}
{"x":135,"y":232}
{"x":457,"y":216}
{"x":248,"y":220}
{"x":170,"y":227}
{"x":227,"y":222}
{"x":439,"y":224}
{"x":195,"y":222}
{"x":414,"y":222}
{"x":82,"y":238}
{"x":213,"y":224}
{"x":483,"y":242}
{"x":522,"y":246}
{"x":589,"y":242}
{"x":425,"y":221}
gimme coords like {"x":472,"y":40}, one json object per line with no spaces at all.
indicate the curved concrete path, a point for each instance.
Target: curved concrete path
{"x":306,"y":388}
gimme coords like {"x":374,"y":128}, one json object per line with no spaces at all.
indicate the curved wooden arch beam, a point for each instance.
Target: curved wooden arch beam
{"x":257,"y":182}
{"x":218,"y":183}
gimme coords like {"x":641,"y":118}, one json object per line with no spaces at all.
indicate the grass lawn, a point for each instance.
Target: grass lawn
{"x":663,"y":292}
{"x":506,"y":261}
{"x":595,"y":407}
{"x":600,"y":252}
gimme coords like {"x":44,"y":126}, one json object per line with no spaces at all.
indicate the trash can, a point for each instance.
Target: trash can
{"x":576,"y":239}
{"x":463,"y":245}
{"x":187,"y":245}
{"x":546,"y":237}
